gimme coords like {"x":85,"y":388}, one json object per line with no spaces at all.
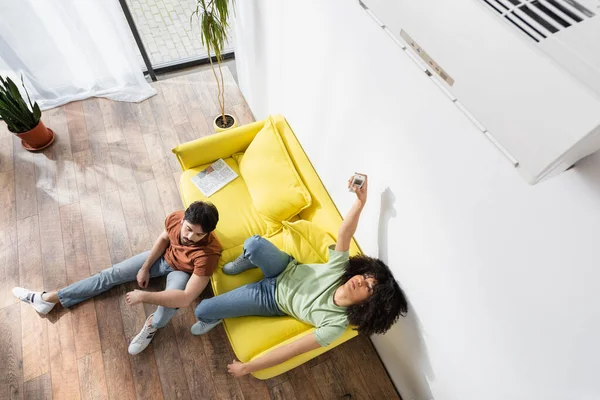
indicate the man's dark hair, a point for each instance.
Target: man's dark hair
{"x":380,"y":310}
{"x":203,"y":214}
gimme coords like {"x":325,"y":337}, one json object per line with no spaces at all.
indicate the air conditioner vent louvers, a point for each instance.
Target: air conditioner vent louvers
{"x":539,"y":19}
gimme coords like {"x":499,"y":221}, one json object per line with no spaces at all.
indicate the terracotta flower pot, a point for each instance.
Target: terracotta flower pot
{"x":38,"y":138}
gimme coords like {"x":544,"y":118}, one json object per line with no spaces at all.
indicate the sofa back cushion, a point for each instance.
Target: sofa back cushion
{"x":306,"y":242}
{"x":276,"y":189}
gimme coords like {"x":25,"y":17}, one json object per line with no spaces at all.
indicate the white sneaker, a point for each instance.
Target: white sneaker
{"x":200,"y":328}
{"x":142,"y":339}
{"x":34,"y":299}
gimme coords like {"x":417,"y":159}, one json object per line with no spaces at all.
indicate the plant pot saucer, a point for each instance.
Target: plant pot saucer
{"x":29,"y":148}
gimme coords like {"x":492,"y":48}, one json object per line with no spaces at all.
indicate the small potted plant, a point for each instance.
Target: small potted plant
{"x":213,"y":17}
{"x":23,"y":120}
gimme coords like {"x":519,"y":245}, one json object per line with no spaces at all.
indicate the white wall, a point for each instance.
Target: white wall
{"x":503,"y":276}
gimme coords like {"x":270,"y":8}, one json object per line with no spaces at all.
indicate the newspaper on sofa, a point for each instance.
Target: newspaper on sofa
{"x":213,"y":178}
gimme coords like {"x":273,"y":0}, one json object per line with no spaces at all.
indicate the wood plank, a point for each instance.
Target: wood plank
{"x":92,"y":379}
{"x":85,"y":326}
{"x":283,"y":391}
{"x":53,"y":258}
{"x":154,"y":145}
{"x":253,"y":388}
{"x":191,"y":103}
{"x":128,"y":118}
{"x":169,"y":89}
{"x":26,"y":198}
{"x":135,"y":222}
{"x":66,"y":185}
{"x":95,"y":235}
{"x":116,"y":230}
{"x":110,"y":117}
{"x":105,"y":175}
{"x":39,"y":388}
{"x":166,"y":129}
{"x":365,"y":356}
{"x":233,"y":95}
{"x":63,"y":363}
{"x":304,"y":384}
{"x":169,"y":195}
{"x":34,"y":328}
{"x":119,"y":379}
{"x":242,"y":111}
{"x":8,"y":205}
{"x":206,"y":89}
{"x":117,"y":367}
{"x":185,"y":133}
{"x":11,"y":371}
{"x":6,"y":153}
{"x":209,"y":105}
{"x":328,"y":381}
{"x":78,"y":134}
{"x":170,"y":365}
{"x":154,"y":211}
{"x":85,"y":173}
{"x":9,"y":267}
{"x":277,"y":380}
{"x":145,"y":375}
{"x":191,"y":349}
{"x":9,"y":274}
{"x":218,"y":354}
{"x":349,"y":374}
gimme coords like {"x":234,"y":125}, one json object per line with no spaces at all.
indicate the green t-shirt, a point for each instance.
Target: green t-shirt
{"x":305,"y":291}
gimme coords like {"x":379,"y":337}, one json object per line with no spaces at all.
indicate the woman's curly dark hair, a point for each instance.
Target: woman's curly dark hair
{"x":380,"y":310}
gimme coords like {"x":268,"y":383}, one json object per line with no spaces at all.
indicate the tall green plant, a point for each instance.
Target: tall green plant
{"x":213,"y":18}
{"x":14,"y":110}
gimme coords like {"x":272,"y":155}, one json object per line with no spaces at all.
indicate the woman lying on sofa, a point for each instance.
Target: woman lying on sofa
{"x":359,"y":290}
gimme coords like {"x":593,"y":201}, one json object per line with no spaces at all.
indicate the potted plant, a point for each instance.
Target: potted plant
{"x":213,"y":16}
{"x":21,"y":119}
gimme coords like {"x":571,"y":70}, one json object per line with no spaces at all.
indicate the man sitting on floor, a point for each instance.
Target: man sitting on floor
{"x":187,"y":252}
{"x":358,"y":290}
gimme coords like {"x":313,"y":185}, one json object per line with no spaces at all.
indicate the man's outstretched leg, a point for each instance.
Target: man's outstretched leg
{"x":175,"y":280}
{"x":125,"y":271}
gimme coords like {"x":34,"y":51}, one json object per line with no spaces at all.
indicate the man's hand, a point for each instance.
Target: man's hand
{"x":143,"y":276}
{"x":361,"y":193}
{"x":237,"y":368}
{"x":135,"y":297}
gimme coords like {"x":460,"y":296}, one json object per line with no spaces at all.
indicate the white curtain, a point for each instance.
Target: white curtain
{"x":69,"y":50}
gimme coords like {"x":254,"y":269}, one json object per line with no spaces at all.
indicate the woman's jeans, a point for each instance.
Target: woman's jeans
{"x":122,"y":272}
{"x":255,"y":298}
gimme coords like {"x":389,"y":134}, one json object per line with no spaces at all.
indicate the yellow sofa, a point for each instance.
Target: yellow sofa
{"x":252,"y":204}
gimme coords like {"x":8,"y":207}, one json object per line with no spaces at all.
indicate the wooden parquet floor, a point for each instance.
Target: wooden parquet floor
{"x":100,"y":194}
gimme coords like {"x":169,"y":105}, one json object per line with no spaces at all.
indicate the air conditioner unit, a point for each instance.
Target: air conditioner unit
{"x":527,"y":70}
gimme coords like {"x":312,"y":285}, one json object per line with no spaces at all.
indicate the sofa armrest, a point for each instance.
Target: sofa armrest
{"x":221,"y":145}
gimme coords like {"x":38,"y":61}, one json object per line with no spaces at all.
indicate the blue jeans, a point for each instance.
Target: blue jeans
{"x":126,"y":271}
{"x":256,"y":298}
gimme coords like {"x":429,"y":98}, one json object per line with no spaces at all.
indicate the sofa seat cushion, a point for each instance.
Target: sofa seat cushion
{"x":238,"y":218}
{"x":277,"y":191}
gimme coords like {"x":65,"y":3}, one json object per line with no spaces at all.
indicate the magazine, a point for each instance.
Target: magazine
{"x":213,"y":178}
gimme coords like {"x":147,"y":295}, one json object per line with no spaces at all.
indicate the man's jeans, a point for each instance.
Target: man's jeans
{"x":122,"y":272}
{"x":255,"y":298}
